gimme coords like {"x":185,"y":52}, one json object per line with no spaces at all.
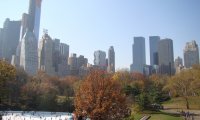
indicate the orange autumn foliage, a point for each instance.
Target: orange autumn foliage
{"x":100,"y":97}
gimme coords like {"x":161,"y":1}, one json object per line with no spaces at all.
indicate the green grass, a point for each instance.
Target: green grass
{"x":157,"y":116}
{"x":137,"y":116}
{"x":180,"y":103}
{"x":164,"y":117}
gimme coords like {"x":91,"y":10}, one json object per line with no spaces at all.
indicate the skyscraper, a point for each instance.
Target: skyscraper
{"x":34,"y":16}
{"x":100,"y":59}
{"x":29,"y":43}
{"x":166,"y":56}
{"x":64,"y":55}
{"x":29,"y":53}
{"x":111,"y":59}
{"x":10,"y":38}
{"x":139,"y":58}
{"x":191,"y":54}
{"x":24,"y":25}
{"x":45,"y":55}
{"x":153,"y":45}
{"x":64,"y":52}
{"x":23,"y":29}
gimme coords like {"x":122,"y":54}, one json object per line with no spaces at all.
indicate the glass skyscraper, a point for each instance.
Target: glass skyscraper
{"x":166,"y":56}
{"x":139,"y":58}
{"x":153,"y":45}
{"x":29,"y":43}
{"x":34,"y":12}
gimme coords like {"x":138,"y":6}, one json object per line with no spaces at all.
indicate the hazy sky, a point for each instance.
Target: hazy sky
{"x":89,"y":25}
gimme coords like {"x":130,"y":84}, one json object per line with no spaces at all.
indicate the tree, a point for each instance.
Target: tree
{"x":185,"y":84}
{"x":143,"y":101}
{"x":7,"y":75}
{"x":155,"y":89}
{"x":101,"y":98}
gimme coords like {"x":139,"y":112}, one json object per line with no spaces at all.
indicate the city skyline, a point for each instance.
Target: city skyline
{"x":113,"y":25}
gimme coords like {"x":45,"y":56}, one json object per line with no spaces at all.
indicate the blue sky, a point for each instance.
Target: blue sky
{"x":89,"y":25}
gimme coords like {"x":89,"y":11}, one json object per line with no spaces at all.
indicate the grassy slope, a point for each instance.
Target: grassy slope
{"x":157,"y":116}
{"x":179,"y":102}
{"x":164,"y":117}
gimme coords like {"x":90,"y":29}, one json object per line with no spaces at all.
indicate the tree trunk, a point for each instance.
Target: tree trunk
{"x":187,"y":102}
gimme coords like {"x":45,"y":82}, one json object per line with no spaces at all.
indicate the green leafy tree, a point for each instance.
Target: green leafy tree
{"x":143,"y":101}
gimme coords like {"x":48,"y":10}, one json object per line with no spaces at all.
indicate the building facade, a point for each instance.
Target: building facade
{"x":29,"y":35}
{"x":139,"y":55}
{"x":73,"y":64}
{"x":191,"y":54}
{"x":56,"y":54}
{"x":64,"y":52}
{"x":24,"y":25}
{"x":29,"y":53}
{"x":153,"y":45}
{"x":82,"y":61}
{"x":9,"y":38}
{"x":111,"y":60}
{"x":45,"y":55}
{"x":166,"y":56}
{"x":34,"y":17}
{"x":178,"y":62}
{"x":100,"y":59}
{"x":63,"y":68}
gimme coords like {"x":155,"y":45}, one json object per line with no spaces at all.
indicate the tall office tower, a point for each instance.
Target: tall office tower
{"x":56,"y":54}
{"x":45,"y":55}
{"x":64,"y":55}
{"x":24,"y":25}
{"x":29,"y":53}
{"x":139,"y":58}
{"x":166,"y":56}
{"x":10,"y":38}
{"x":73,"y":64}
{"x":153,"y":45}
{"x":28,"y":46}
{"x":23,"y":29}
{"x":100,"y":59}
{"x":111,"y":59}
{"x":191,"y":54}
{"x":1,"y":42}
{"x":34,"y":16}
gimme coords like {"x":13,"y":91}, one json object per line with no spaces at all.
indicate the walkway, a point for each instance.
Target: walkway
{"x":187,"y":114}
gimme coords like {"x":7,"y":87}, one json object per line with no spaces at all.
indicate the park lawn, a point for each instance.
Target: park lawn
{"x":179,"y":102}
{"x":164,"y":117}
{"x":137,"y":116}
{"x":157,"y":116}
